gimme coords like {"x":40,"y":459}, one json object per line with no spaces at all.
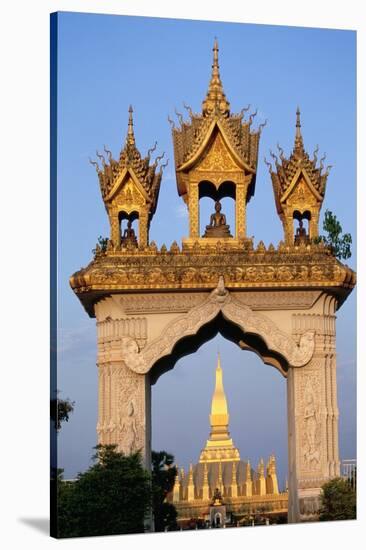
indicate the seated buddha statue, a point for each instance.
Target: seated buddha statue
{"x":218,"y":227}
{"x":129,"y":237}
{"x":301,"y":235}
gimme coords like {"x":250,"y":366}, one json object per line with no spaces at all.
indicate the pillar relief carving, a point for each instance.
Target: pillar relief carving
{"x":309,"y":398}
{"x":123,"y":399}
{"x":323,"y":366}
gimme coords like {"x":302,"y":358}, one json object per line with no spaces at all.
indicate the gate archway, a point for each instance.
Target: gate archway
{"x":277,"y":301}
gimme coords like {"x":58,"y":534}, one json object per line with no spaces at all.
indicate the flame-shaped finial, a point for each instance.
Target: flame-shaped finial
{"x":299,"y":144}
{"x":130,"y":133}
{"x":215,"y":98}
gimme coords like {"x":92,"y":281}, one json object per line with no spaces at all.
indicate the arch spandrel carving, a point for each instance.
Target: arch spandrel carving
{"x":219,"y":301}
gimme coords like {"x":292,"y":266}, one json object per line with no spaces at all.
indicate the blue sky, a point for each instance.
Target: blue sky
{"x":109,"y":62}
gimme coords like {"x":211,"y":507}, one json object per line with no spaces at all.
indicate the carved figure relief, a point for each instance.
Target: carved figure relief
{"x":310,"y":439}
{"x":127,"y":429}
{"x":129,"y":195}
{"x":311,"y":451}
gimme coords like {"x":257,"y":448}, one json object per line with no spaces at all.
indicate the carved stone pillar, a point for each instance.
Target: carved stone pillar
{"x":313,"y":442}
{"x":124,"y":409}
{"x":193,"y":207}
{"x":124,"y":400}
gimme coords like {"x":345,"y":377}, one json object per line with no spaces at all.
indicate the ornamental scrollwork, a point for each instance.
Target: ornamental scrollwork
{"x":235,"y":311}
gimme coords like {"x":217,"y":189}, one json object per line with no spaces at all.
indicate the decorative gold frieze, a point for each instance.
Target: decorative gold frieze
{"x":287,"y":267}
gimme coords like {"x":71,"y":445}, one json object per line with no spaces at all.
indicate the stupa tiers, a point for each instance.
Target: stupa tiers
{"x":221,"y":483}
{"x":154,"y":305}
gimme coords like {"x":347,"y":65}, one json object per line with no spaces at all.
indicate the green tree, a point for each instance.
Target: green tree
{"x":339,"y":244}
{"x":163,"y":476}
{"x":112,"y":497}
{"x":60,"y":410}
{"x":338,"y":500}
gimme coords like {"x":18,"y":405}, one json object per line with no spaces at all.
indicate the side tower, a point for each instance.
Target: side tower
{"x":299,"y":188}
{"x":130,"y":189}
{"x":216,"y":156}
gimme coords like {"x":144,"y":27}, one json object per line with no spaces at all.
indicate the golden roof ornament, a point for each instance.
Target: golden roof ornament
{"x":299,"y":184}
{"x":215,"y":99}
{"x":299,"y":144}
{"x":193,"y":138}
{"x":129,"y":185}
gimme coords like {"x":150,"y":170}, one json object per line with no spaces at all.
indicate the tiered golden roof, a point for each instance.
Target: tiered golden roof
{"x":130,"y":186}
{"x":299,"y":186}
{"x":192,"y":137}
{"x":130,"y":159}
{"x":298,"y":160}
{"x":215,"y":156}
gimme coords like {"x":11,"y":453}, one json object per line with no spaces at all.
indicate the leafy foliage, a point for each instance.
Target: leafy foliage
{"x":112,"y":497}
{"x":60,"y":410}
{"x":339,"y":244}
{"x":163,"y":477}
{"x":101,"y":246}
{"x":338,"y":500}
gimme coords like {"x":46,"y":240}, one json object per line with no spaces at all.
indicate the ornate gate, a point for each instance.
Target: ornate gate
{"x":155,"y":305}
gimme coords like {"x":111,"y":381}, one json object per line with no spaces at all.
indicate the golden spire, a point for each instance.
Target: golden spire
{"x":205,"y":485}
{"x":130,"y":140}
{"x":220,"y":445}
{"x":220,"y":483}
{"x":219,"y":411}
{"x":299,"y":144}
{"x":248,"y":472}
{"x":215,"y":98}
{"x":234,"y":486}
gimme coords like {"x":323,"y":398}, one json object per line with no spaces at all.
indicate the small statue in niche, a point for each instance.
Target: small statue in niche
{"x":301,"y":235}
{"x":217,"y":497}
{"x":218,"y":227}
{"x":129,"y":237}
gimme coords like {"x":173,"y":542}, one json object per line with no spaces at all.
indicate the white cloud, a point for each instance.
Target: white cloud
{"x":182,"y":211}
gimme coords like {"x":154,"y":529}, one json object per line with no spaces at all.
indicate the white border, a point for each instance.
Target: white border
{"x":24,"y":123}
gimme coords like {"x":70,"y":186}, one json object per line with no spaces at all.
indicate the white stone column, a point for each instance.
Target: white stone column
{"x":124,"y":396}
{"x":313,"y":442}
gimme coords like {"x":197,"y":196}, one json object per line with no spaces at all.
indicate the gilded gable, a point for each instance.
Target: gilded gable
{"x":217,"y":157}
{"x":301,"y":196}
{"x":129,"y":196}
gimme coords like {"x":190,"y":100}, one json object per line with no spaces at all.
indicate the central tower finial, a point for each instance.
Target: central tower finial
{"x":299,"y":144}
{"x":130,"y":133}
{"x":215,"y":98}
